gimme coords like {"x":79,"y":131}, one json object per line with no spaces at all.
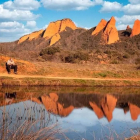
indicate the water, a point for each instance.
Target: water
{"x":70,"y":112}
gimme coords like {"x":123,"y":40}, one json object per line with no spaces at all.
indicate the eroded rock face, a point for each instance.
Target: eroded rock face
{"x":99,"y":27}
{"x":30,"y":36}
{"x":35,"y":34}
{"x":55,"y":38}
{"x":108,"y":105}
{"x":134,"y":111}
{"x":97,"y":110}
{"x":136,"y":28}
{"x":22,"y":39}
{"x":58,"y":26}
{"x":110,"y":32}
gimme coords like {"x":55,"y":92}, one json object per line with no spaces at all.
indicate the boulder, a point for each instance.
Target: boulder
{"x":110,"y":32}
{"x":58,"y":26}
{"x":54,"y":39}
{"x":136,"y":28}
{"x":99,"y":27}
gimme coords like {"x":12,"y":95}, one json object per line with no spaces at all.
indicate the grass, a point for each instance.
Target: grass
{"x":29,"y":81}
{"x":27,"y":125}
{"x":26,"y":129}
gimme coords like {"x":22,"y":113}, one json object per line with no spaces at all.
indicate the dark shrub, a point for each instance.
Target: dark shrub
{"x":50,"y":51}
{"x":77,"y":56}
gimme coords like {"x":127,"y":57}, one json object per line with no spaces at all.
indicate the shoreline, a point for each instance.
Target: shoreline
{"x":27,"y":80}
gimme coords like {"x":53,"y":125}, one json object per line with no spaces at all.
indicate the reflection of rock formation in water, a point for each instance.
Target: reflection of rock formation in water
{"x":98,"y":111}
{"x":134,"y":111}
{"x":108,"y":105}
{"x":52,"y":105}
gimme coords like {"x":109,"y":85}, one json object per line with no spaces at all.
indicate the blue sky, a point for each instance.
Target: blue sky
{"x":20,"y":17}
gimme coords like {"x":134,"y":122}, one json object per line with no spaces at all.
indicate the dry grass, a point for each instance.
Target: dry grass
{"x":16,"y":125}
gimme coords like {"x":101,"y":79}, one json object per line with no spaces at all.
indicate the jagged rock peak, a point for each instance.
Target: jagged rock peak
{"x":128,"y":27}
{"x":58,"y":26}
{"x":112,"y":21}
{"x":110,"y":32}
{"x":136,"y":28}
{"x":99,"y":27}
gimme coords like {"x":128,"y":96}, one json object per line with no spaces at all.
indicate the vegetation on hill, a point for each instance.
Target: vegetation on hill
{"x":78,"y":46}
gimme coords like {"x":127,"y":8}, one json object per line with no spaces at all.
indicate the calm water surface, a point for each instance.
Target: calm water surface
{"x":73,"y":113}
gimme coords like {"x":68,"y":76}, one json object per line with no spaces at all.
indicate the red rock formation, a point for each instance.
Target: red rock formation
{"x":35,"y":34}
{"x":108,"y":105}
{"x":55,"y":38}
{"x":58,"y":26}
{"x":134,"y":111}
{"x":136,"y":28}
{"x":97,"y":110}
{"x":128,"y":27}
{"x":110,"y":32}
{"x":99,"y":27}
{"x":22,"y":39}
{"x":30,"y":36}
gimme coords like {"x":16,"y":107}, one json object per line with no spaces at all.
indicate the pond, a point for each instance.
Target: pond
{"x":69,"y":113}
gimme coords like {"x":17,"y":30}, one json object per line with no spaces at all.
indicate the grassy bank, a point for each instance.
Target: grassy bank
{"x":91,"y":82}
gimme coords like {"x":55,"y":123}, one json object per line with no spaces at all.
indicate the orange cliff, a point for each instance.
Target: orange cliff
{"x":51,"y":104}
{"x":97,"y":110}
{"x":136,"y":28}
{"x":110,"y":32}
{"x":99,"y":27}
{"x":30,"y":36}
{"x":55,"y":38}
{"x":134,"y":111}
{"x":57,"y":27}
{"x":108,"y":105}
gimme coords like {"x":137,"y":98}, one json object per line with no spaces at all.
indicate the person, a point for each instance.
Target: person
{"x":11,"y":65}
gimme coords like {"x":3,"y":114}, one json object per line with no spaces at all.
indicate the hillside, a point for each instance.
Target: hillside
{"x":63,"y":42}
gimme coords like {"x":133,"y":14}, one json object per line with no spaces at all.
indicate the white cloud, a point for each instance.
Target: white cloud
{"x":45,"y":26}
{"x":111,"y":6}
{"x":31,"y":24}
{"x":22,"y":4}
{"x":13,"y":11}
{"x":131,"y":9}
{"x":6,"y":14}
{"x":127,"y":19}
{"x":123,"y":26}
{"x":70,"y":4}
{"x":134,"y":1}
{"x":13,"y":24}
{"x":10,"y":31}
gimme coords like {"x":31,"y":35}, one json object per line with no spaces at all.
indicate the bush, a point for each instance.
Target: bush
{"x":75,"y":57}
{"x":50,"y":51}
{"x":137,"y":61}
